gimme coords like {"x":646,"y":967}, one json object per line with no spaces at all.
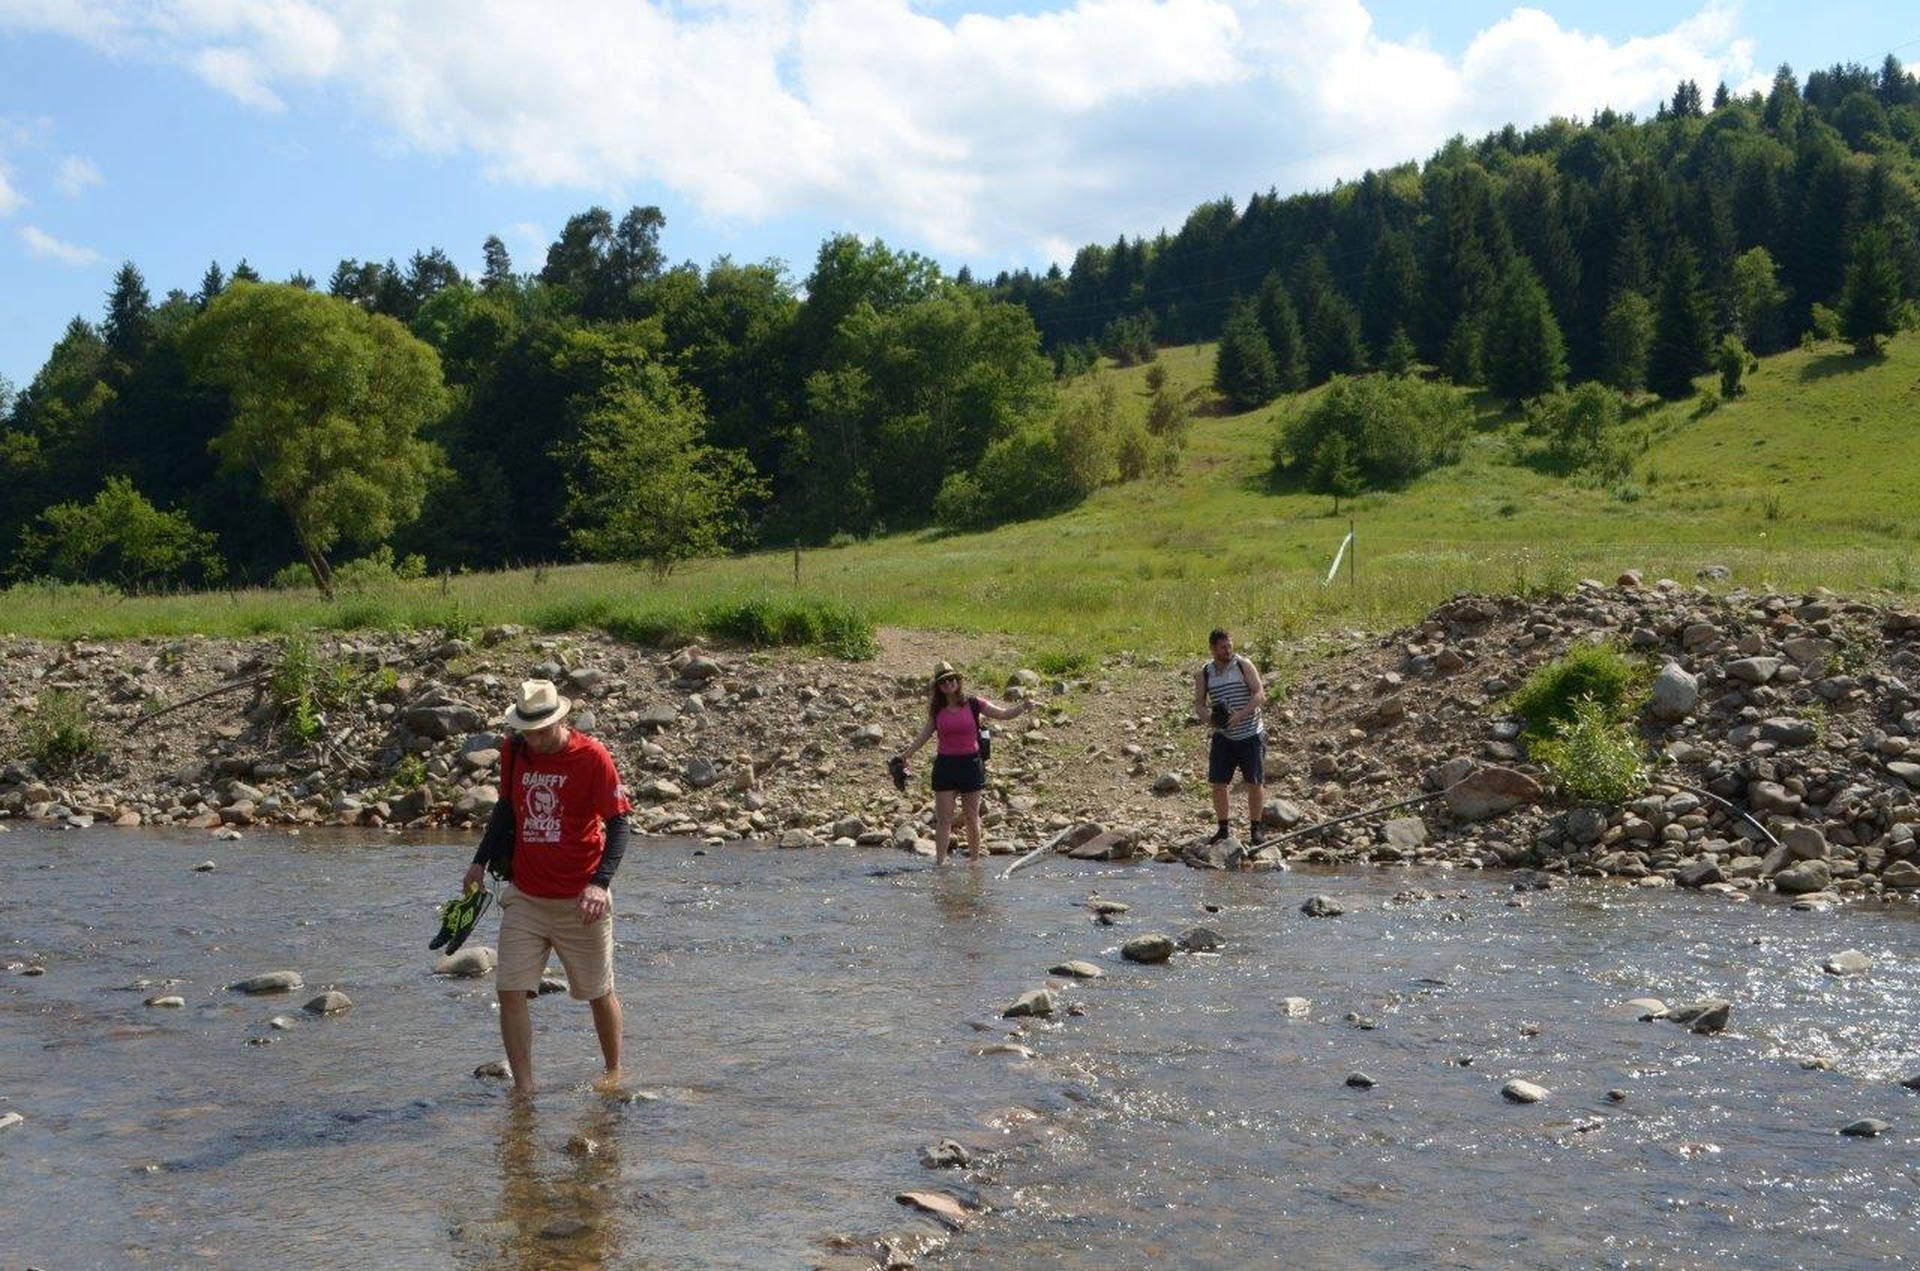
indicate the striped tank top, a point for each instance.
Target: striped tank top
{"x":1229,"y":688}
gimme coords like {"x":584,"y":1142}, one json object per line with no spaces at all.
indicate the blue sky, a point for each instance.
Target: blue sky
{"x":296,"y":132}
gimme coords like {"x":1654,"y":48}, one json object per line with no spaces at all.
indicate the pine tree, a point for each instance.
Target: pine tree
{"x":1399,"y":357}
{"x":1243,"y":369}
{"x":1870,"y":300}
{"x":1334,"y":470}
{"x":1626,"y":335}
{"x":1390,"y":294}
{"x":1682,"y":330}
{"x":128,"y":328}
{"x":498,"y":269}
{"x":1524,"y":352}
{"x":1334,"y":346}
{"x":1282,"y":328}
{"x":212,"y":283}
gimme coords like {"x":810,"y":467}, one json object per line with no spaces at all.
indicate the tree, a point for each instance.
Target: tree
{"x":1334,"y":470}
{"x":1626,"y":335}
{"x":119,"y":538}
{"x":1524,"y":352}
{"x":645,"y":487}
{"x":1399,"y":357}
{"x":128,"y":328}
{"x":1333,"y":340}
{"x":328,"y":403}
{"x":1396,"y":428}
{"x":1243,"y":369}
{"x":1754,"y":297}
{"x":212,"y":283}
{"x":1682,"y":330}
{"x":1282,"y":329}
{"x":1870,"y":301}
{"x":497,"y":272}
{"x":1581,"y":429}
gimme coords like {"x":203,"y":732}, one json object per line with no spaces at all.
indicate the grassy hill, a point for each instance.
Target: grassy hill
{"x":1809,"y":479}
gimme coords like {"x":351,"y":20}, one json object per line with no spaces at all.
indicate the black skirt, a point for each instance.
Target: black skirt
{"x":961,"y":773}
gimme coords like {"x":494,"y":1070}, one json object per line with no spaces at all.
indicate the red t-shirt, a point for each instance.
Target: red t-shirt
{"x":559,"y":803}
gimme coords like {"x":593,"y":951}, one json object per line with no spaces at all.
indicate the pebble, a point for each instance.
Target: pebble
{"x":1616,"y":1096}
{"x":204,"y":867}
{"x":1361,"y":1081}
{"x":10,"y":1119}
{"x":1295,"y":1007}
{"x":1322,"y":907}
{"x":268,"y":982}
{"x":172,"y":1001}
{"x":1865,"y":1128}
{"x":1518,"y":1091}
{"x":1077,"y":969}
{"x":494,"y":1068}
{"x":332,"y":1002}
{"x":1032,"y":1003}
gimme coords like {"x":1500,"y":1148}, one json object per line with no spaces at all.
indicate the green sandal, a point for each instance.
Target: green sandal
{"x":459,"y":917}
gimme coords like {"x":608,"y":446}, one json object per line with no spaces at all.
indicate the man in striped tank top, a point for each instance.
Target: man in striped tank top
{"x":1233,"y":687}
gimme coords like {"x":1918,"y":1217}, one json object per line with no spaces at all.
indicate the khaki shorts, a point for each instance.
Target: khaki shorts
{"x":531,"y":926}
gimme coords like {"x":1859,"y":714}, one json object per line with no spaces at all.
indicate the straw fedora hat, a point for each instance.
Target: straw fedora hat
{"x":941,"y":670}
{"x":540,"y":704}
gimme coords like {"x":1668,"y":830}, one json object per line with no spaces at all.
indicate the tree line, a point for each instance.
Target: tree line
{"x":609,"y":405}
{"x":1618,"y":250}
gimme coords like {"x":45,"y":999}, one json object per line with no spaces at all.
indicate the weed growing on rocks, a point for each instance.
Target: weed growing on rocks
{"x":1594,"y":756}
{"x":59,"y":737}
{"x":1596,"y":673}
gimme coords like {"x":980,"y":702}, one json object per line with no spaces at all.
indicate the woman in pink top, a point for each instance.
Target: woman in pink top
{"x":958,"y":770}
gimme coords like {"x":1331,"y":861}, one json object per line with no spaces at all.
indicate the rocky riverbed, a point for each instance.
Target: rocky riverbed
{"x":1786,"y":734}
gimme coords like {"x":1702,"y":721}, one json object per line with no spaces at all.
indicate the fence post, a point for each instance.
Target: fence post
{"x":1353,"y":556}
{"x":796,"y":562}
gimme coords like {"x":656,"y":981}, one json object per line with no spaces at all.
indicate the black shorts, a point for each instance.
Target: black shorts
{"x":961,"y":773}
{"x":1249,"y":755}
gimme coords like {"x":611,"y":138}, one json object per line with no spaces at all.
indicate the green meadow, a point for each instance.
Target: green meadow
{"x":1807,"y":479}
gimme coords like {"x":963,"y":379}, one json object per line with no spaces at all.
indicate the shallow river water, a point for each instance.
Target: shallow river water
{"x":809,"y":1020}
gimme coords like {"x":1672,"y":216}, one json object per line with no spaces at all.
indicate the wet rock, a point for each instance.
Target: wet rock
{"x":1322,"y":907}
{"x":797,"y":838}
{"x":1913,"y":1082}
{"x":1901,"y":876}
{"x":1865,"y":1128}
{"x":1032,"y":1003}
{"x":1295,"y":1007}
{"x":1648,"y":1008}
{"x":268,"y":982}
{"x":282,"y":1023}
{"x":494,"y":1070}
{"x":1148,"y":949}
{"x":1699,"y":873}
{"x":1361,"y":1081}
{"x":1616,"y":1096}
{"x":1100,"y":905}
{"x":1847,"y":962}
{"x":563,"y":1228}
{"x":332,"y":1002}
{"x":204,"y":867}
{"x":1709,"y":1015}
{"x":1804,"y":878}
{"x":946,"y":1154}
{"x":468,"y":964}
{"x":1076,"y":969}
{"x":1108,"y":845}
{"x":1519,"y":1091}
{"x":1675,"y":693}
{"x":938,"y":1204}
{"x":10,"y":1119}
{"x":581,"y":1146}
{"x":166,"y":1001}
{"x":1200,"y":940}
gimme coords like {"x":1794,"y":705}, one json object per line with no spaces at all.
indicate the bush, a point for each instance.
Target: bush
{"x":304,"y":686}
{"x":119,"y":538}
{"x":1593,"y":756}
{"x":1063,"y":662}
{"x":58,"y":736}
{"x":1582,"y":430}
{"x":1394,"y":429}
{"x":961,"y":504}
{"x":1597,"y":673}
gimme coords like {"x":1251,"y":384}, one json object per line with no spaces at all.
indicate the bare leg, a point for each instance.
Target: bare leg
{"x":516,"y":1036}
{"x":942,"y":824}
{"x":1220,"y":803}
{"x":970,"y":808}
{"x":1255,"y":796}
{"x":607,"y":1023}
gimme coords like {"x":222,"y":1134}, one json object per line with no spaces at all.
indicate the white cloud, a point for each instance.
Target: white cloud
{"x":995,"y":136}
{"x":76,"y":175}
{"x":11,"y":200}
{"x":47,"y":247}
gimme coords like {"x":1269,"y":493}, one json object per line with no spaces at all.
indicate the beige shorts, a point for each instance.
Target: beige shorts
{"x":531,"y":926}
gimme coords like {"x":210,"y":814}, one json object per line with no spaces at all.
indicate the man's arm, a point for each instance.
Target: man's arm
{"x":1256,"y":692}
{"x":496,"y":844}
{"x":1200,"y":696}
{"x":619,"y":830}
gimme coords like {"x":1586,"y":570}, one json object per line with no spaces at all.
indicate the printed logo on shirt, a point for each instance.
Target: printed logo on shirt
{"x":542,"y":822}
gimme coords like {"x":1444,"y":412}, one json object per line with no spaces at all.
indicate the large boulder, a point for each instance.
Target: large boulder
{"x":1803,"y":879}
{"x":1490,"y":792}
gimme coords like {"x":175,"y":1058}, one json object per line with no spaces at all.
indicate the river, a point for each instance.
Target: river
{"x":801,"y":1023}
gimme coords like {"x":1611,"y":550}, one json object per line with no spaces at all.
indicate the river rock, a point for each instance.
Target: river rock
{"x":167,"y":1001}
{"x":797,"y":838}
{"x":563,"y":1228}
{"x":1167,"y":783}
{"x":1034,"y":1002}
{"x":204,"y":867}
{"x":1407,"y":833}
{"x":268,"y":982}
{"x":1865,"y":1128}
{"x":1154,"y":948}
{"x":946,"y":1154}
{"x":1108,"y":845}
{"x":1788,"y":730}
{"x":1756,"y":670}
{"x":1586,"y":823}
{"x":1648,"y":1008}
{"x":1200,"y":940}
{"x":332,"y":1002}
{"x":1804,"y":878}
{"x":1907,"y":772}
{"x":1295,"y":1007}
{"x":1675,"y":693}
{"x":1076,"y":969}
{"x":1699,"y":873}
{"x":1804,"y":842}
{"x":468,"y":964}
{"x":1361,"y":1081}
{"x":1847,"y":962}
{"x":1490,"y":792}
{"x":1519,"y":1091}
{"x":494,"y":1069}
{"x":445,"y":721}
{"x":1901,"y":876}
{"x":10,"y":1119}
{"x":1708,"y":1015}
{"x":1322,"y":907}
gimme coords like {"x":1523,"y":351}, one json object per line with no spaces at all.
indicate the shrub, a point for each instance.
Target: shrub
{"x":58,"y":736}
{"x":1582,"y":430}
{"x":1394,"y":429}
{"x":304,"y":686}
{"x":1598,"y":673}
{"x":1593,"y":755}
{"x":1063,"y":662}
{"x":961,"y":504}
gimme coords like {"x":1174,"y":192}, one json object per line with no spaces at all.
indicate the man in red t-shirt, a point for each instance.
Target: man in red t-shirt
{"x":558,"y":832}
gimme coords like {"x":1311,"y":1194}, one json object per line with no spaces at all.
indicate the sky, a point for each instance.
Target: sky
{"x":991,"y":133}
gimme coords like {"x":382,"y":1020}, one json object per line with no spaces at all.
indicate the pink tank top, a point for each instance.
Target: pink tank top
{"x":958,"y":734}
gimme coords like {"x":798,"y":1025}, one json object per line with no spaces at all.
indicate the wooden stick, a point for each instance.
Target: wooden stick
{"x":1351,"y":816}
{"x":250,"y":682}
{"x":1739,"y":812}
